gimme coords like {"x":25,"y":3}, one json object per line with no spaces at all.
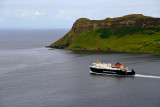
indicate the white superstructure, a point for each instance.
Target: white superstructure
{"x":118,"y":66}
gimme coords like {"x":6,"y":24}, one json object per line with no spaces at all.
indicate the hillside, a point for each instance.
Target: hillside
{"x":130,"y":33}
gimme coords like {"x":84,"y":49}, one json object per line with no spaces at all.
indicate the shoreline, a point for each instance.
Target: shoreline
{"x":103,"y":51}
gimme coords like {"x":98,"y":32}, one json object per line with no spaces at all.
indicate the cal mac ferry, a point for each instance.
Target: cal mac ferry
{"x":107,"y":68}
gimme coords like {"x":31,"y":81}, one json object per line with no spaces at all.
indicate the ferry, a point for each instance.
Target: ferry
{"x":107,"y":68}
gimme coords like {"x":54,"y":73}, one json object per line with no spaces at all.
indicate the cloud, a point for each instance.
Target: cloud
{"x":37,"y":13}
{"x":61,"y":14}
{"x":72,"y":14}
{"x":23,"y":13}
{"x":68,"y":14}
{"x":30,"y":13}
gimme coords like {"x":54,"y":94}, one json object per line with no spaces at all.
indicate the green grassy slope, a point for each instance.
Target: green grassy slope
{"x":133,"y":39}
{"x":130,"y":33}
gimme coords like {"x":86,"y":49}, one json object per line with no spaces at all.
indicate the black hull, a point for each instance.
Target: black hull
{"x":110,"y":72}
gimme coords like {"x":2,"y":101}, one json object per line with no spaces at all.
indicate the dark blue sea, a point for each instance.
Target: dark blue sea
{"x":34,"y":76}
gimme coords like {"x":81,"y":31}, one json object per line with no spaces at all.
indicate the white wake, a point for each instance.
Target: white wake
{"x":146,"y":76}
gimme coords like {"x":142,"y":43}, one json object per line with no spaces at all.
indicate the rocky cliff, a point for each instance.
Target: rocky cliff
{"x":84,"y":30}
{"x":116,"y":23}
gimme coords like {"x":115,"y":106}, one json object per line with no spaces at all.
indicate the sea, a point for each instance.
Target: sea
{"x":32,"y":75}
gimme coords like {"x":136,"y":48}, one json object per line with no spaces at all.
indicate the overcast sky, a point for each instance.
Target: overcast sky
{"x":63,"y":13}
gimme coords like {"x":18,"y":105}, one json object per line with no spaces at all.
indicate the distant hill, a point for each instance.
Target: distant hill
{"x":130,"y":33}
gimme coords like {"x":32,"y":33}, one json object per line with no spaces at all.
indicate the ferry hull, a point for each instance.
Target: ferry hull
{"x":110,"y":71}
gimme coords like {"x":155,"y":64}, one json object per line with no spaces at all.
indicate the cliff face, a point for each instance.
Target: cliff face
{"x":116,"y":23}
{"x":94,"y":34}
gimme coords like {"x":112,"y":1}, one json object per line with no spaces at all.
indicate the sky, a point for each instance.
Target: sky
{"x":63,"y":13}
